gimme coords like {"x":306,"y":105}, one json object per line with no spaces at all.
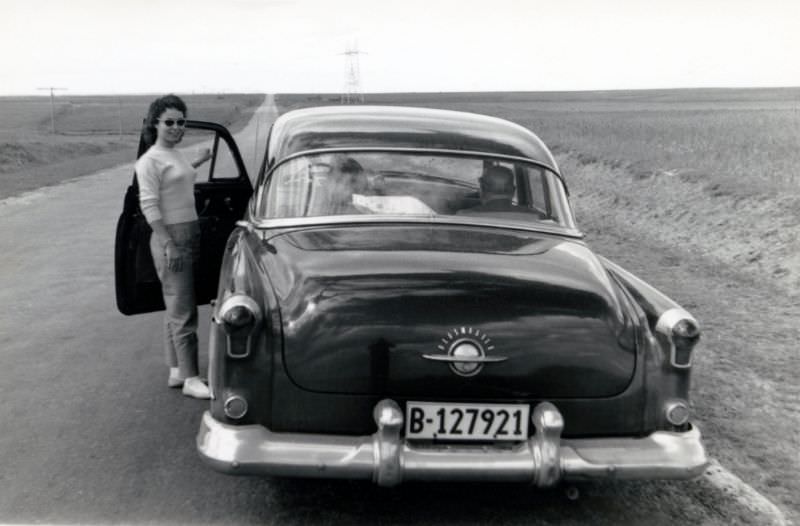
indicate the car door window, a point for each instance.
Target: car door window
{"x":222,"y":167}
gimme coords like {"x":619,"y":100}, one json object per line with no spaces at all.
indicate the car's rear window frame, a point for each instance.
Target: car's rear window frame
{"x":264,"y":178}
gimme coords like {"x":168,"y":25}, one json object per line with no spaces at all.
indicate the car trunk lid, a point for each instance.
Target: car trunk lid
{"x":378,"y":309}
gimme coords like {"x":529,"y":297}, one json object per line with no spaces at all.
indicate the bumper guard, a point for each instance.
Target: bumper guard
{"x":387,"y":459}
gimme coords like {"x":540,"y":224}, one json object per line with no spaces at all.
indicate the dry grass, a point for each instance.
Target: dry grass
{"x":91,"y":133}
{"x":741,"y":148}
{"x":27,"y":116}
{"x":711,"y":171}
{"x":745,"y":141}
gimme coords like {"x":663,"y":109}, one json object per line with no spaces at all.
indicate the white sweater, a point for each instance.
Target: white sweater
{"x":166,"y":186}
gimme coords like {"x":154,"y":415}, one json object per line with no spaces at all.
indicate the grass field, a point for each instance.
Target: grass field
{"x":712,"y":171}
{"x":733,"y":137}
{"x":91,"y":132}
{"x":709,"y":171}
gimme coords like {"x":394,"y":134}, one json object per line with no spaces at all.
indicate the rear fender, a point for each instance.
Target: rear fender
{"x":243,"y":377}
{"x":665,"y":383}
{"x":653,"y":301}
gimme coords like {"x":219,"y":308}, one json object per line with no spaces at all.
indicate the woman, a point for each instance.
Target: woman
{"x":166,"y":196}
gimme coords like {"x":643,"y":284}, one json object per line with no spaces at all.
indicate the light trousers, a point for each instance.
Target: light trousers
{"x":180,"y":318}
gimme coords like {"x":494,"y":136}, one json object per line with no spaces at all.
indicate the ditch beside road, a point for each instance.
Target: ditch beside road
{"x":746,"y":379}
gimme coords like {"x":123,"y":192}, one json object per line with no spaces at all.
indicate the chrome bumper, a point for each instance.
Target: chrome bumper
{"x":387,"y":459}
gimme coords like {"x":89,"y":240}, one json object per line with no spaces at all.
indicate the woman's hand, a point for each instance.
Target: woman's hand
{"x":204,"y":154}
{"x":173,"y":256}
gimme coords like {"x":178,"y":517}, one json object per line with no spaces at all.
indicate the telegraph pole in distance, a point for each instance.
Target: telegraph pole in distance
{"x":52,"y":106}
{"x":352,"y":85}
{"x":119,"y":101}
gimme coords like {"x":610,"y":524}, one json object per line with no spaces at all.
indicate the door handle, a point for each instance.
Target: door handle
{"x":204,"y":209}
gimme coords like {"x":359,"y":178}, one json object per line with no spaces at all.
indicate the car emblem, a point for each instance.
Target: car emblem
{"x":464,"y":349}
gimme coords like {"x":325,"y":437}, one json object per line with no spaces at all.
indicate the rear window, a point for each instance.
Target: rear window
{"x":394,"y":183}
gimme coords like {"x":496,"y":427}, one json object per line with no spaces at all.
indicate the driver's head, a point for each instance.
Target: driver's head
{"x":497,"y":181}
{"x":345,"y":180}
{"x":352,"y":174}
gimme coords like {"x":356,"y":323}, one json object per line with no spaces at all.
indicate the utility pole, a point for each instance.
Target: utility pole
{"x":352,"y":84}
{"x":52,"y":106}
{"x":119,"y":101}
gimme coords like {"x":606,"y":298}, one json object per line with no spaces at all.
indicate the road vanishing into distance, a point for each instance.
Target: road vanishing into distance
{"x":92,"y":435}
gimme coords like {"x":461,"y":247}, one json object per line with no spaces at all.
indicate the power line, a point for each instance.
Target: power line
{"x":53,"y":106}
{"x":352,"y":84}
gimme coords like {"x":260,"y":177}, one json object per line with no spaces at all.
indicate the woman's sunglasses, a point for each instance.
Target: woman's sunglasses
{"x":169,"y":123}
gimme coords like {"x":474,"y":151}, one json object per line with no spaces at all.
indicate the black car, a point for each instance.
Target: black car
{"x":406,"y":296}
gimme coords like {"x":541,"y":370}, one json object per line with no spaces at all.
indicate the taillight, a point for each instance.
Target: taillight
{"x":240,"y":317}
{"x":677,"y":412}
{"x":682,"y":333}
{"x":235,"y":407}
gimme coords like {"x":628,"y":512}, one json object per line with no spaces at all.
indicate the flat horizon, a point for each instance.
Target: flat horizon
{"x":67,"y":93}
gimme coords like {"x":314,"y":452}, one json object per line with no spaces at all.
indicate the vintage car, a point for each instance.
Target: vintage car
{"x":406,"y":296}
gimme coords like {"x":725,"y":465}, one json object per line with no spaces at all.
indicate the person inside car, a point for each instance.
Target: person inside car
{"x":497,"y":192}
{"x":349,"y":178}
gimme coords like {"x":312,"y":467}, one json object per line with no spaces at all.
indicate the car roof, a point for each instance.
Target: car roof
{"x":387,"y":127}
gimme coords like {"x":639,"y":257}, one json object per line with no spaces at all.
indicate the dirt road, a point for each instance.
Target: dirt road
{"x":91,"y":433}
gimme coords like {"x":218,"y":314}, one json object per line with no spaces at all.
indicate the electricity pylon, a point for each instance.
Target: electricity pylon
{"x":352,"y":85}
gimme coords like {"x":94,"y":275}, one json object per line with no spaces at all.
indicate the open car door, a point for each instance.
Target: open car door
{"x":222,"y":191}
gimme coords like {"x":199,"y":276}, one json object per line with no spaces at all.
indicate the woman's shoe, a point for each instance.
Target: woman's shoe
{"x":175,"y":379}
{"x":195,"y":388}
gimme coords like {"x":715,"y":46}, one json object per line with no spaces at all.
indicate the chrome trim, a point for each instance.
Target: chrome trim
{"x":239,"y":300}
{"x":470,"y":359}
{"x":546,"y":444}
{"x":387,"y":443}
{"x":247,"y":225}
{"x":666,"y":322}
{"x":289,"y":222}
{"x":388,"y":459}
{"x":440,"y":151}
{"x":476,"y":339}
{"x":659,"y":455}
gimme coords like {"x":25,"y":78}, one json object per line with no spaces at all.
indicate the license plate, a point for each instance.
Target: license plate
{"x":447,"y":421}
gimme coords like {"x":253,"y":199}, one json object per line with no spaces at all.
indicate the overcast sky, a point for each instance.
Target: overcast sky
{"x":184,"y":46}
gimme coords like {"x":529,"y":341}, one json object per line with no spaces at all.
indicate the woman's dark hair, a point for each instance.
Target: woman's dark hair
{"x":157,"y":107}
